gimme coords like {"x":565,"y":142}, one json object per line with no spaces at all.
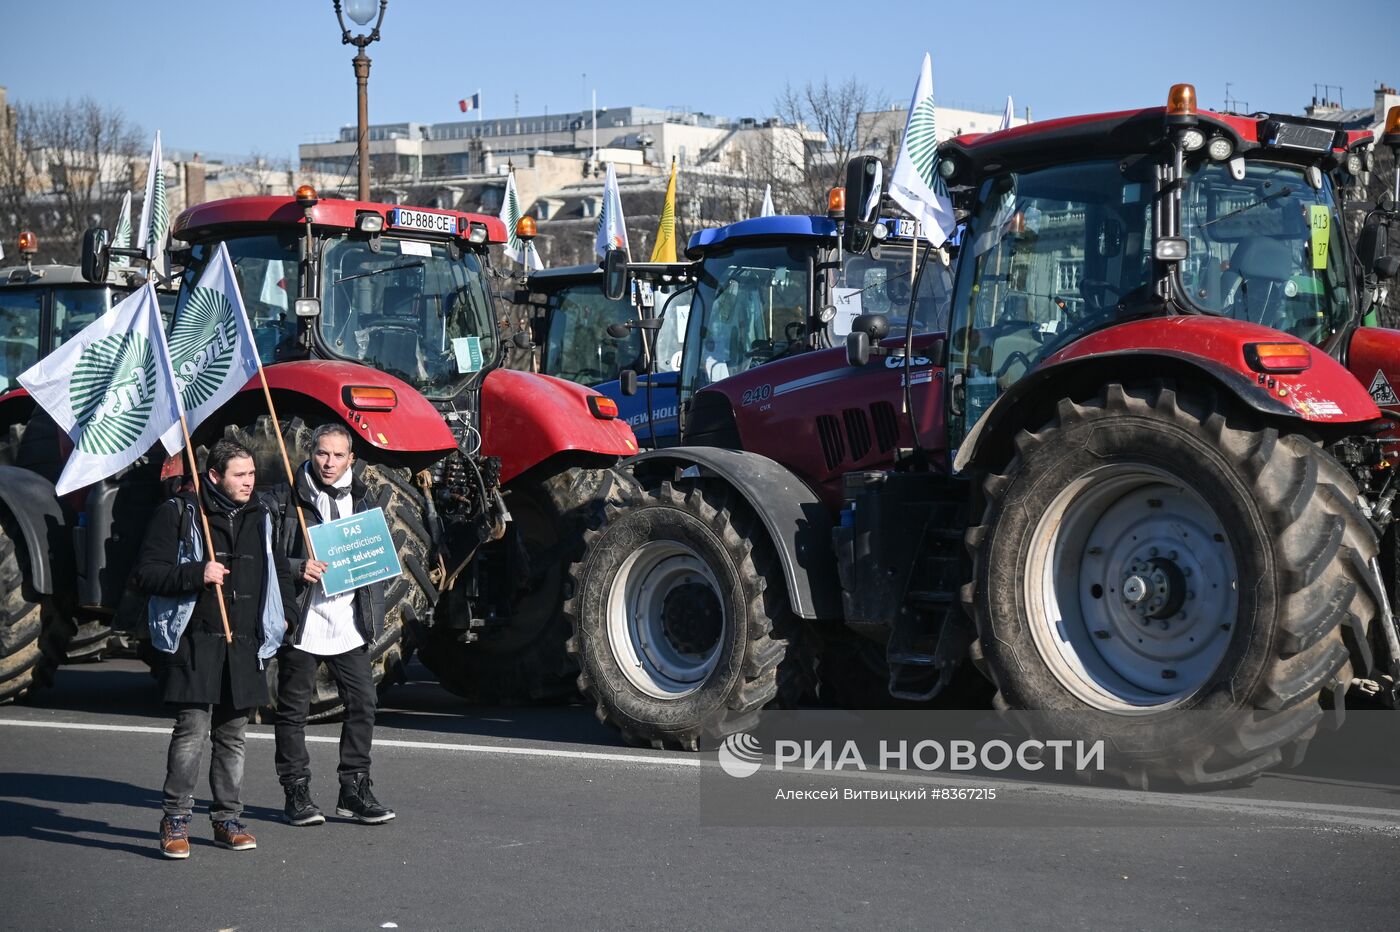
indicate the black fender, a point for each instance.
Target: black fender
{"x":1032,"y":400}
{"x":797,"y":521}
{"x":33,"y":502}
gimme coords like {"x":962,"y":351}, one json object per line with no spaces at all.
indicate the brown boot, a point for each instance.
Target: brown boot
{"x":231,"y":833}
{"x":175,"y":836}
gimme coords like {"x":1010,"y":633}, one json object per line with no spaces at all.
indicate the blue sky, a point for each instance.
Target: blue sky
{"x":261,"y":76}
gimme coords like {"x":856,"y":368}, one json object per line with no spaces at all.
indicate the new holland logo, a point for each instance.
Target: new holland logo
{"x":1381,"y":391}
{"x":202,"y":345}
{"x":112,"y":392}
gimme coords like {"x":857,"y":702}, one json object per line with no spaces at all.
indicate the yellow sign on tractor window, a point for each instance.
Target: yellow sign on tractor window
{"x":1321,"y":223}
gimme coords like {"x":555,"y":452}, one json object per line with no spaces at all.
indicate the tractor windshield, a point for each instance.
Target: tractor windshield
{"x":750,"y":306}
{"x":1049,"y":254}
{"x":1262,"y":248}
{"x":268,"y":271}
{"x":578,"y":347}
{"x":878,"y":282}
{"x":20,"y":310}
{"x":409,"y":308}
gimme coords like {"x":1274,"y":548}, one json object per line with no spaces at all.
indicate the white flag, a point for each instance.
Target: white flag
{"x":212,"y":350}
{"x":121,"y":239}
{"x":109,"y":388}
{"x":767,"y":209}
{"x":274,"y":284}
{"x":915,"y":183}
{"x":516,"y":248}
{"x":155,"y":213}
{"x":1006,"y":117}
{"x":612,"y":226}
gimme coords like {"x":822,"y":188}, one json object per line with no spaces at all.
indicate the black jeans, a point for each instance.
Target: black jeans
{"x":224,"y":726}
{"x":296,"y":681}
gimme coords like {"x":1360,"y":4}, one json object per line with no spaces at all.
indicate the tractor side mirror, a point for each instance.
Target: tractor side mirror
{"x":1372,"y":245}
{"x":615,"y":275}
{"x":857,"y":348}
{"x":865,"y":178}
{"x":617,"y":331}
{"x":96,"y":258}
{"x":627,"y":380}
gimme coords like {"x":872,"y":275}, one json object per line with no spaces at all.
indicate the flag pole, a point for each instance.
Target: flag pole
{"x":204,"y":521}
{"x":286,"y":460}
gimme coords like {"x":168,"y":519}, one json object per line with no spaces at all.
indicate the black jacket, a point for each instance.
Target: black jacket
{"x":369,"y":600}
{"x":204,"y":667}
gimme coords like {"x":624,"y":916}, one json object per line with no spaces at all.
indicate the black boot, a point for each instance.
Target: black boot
{"x":357,"y":802}
{"x":300,"y":810}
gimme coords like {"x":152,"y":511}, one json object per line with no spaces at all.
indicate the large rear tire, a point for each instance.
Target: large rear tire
{"x":409,"y":597}
{"x":1189,"y":577}
{"x":680,"y":617}
{"x":525,"y":662}
{"x":29,"y":644}
{"x":83,"y":639}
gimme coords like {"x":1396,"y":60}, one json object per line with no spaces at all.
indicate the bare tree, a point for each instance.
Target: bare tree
{"x":65,"y":168}
{"x":802,"y":174}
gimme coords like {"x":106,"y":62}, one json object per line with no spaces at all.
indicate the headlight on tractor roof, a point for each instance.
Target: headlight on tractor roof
{"x":1220,"y":148}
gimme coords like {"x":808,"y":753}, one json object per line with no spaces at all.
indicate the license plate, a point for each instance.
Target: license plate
{"x":423,"y":220}
{"x":906,"y":229}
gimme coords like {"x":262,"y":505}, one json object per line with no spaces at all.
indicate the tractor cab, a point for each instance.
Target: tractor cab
{"x":400,"y":290}
{"x":572,"y":317}
{"x":43,"y":306}
{"x":774,"y":287}
{"x":1085,"y":223}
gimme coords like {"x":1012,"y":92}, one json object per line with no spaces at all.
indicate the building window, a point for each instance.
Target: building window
{"x":1068,"y":273}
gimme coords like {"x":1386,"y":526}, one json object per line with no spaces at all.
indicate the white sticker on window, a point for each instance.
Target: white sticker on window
{"x":409,"y":247}
{"x":468,"y":351}
{"x":847,"y":301}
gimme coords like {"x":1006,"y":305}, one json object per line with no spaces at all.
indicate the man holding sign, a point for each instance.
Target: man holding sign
{"x":342,"y":603}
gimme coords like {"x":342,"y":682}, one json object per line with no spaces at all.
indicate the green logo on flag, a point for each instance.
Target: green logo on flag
{"x":922,"y":142}
{"x":202,"y":345}
{"x":159,"y":213}
{"x":112,"y":392}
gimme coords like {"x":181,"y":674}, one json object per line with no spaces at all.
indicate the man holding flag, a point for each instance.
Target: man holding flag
{"x":114,"y":391}
{"x":222,"y":616}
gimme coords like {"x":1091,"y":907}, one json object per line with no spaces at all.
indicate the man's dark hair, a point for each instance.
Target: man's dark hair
{"x":326,"y":430}
{"x":222,"y":451}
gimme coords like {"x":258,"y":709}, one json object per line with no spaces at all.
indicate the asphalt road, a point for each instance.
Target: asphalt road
{"x":539,"y":818}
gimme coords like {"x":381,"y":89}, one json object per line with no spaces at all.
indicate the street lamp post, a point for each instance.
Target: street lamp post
{"x":361,"y":11}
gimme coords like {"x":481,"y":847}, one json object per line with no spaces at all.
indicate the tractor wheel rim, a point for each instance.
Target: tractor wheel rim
{"x":666,"y":620}
{"x":1131,"y":589}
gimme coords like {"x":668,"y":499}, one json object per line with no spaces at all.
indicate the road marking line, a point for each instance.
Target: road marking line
{"x":1311,"y":812}
{"x":392,"y":743}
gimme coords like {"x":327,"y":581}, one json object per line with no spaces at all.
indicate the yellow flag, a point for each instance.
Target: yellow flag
{"x":665,"y":248}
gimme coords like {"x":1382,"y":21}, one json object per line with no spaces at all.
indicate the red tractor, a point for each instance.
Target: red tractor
{"x":1144,"y":471}
{"x":378,"y":317}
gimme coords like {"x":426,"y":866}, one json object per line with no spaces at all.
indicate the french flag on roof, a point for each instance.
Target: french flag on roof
{"x":470,"y":103}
